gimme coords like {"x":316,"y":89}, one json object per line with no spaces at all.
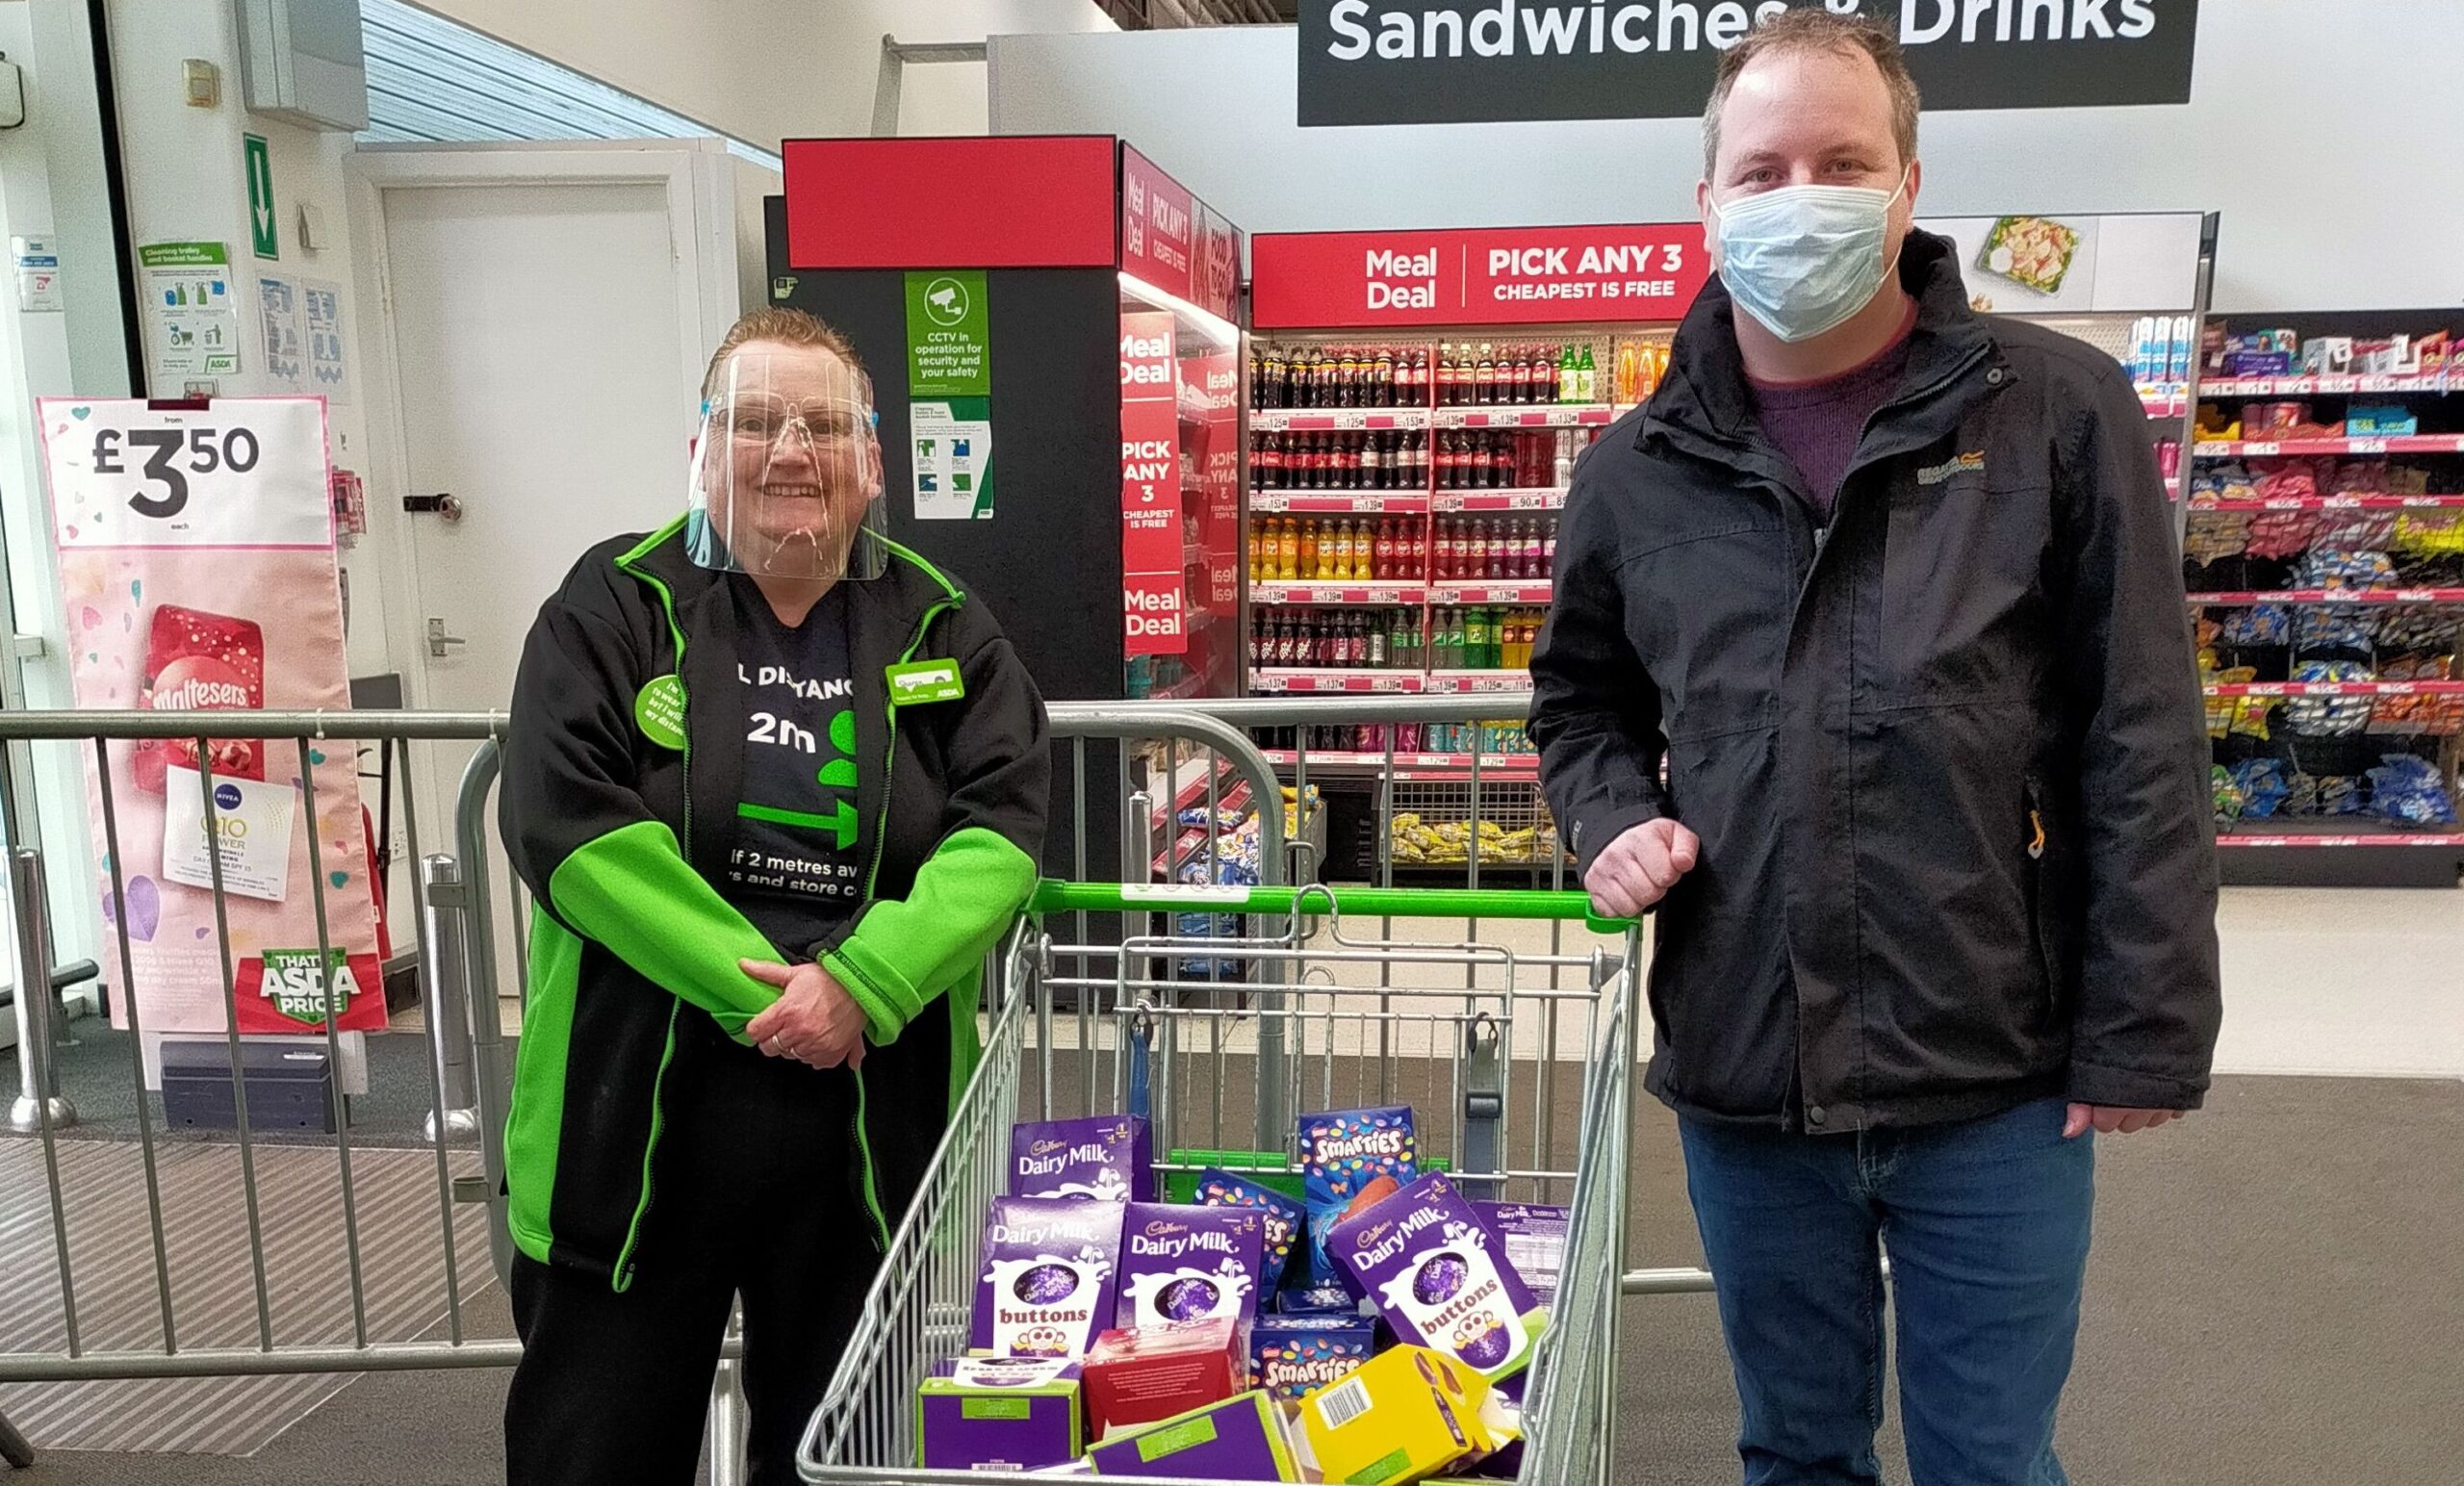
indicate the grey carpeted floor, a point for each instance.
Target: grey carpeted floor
{"x":2276,"y":1297}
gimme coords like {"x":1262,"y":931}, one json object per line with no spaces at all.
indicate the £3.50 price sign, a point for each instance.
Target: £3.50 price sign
{"x":233,"y":473}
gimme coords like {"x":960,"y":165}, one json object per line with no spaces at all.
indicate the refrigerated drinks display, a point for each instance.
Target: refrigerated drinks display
{"x":1057,"y":370}
{"x":1417,"y":404}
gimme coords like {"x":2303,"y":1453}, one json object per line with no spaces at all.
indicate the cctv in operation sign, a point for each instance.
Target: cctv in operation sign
{"x":1417,"y":61}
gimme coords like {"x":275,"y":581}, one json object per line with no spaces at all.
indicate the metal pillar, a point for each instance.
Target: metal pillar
{"x":38,"y":1106}
{"x":445,"y":987}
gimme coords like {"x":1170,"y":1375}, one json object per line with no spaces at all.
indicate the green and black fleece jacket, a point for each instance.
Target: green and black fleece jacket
{"x":599,"y":811}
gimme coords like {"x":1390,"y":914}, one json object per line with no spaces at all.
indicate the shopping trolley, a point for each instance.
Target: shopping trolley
{"x":1519,"y":1067}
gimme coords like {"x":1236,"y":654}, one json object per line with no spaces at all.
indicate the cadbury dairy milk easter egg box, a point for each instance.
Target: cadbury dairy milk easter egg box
{"x":1439,"y":1276}
{"x":1105,"y":1159}
{"x":1045,"y":1287}
{"x":1184,"y":1264}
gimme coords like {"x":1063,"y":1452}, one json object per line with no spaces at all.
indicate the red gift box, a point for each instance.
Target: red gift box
{"x":196,"y":661}
{"x":1154,"y":1372}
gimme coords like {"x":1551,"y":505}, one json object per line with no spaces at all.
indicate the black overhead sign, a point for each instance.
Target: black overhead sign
{"x":1417,"y":61}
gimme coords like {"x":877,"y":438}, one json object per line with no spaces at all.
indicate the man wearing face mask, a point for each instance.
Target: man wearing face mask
{"x":1892,"y":591}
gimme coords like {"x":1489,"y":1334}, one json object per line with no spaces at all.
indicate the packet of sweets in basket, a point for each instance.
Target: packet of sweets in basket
{"x":1432,"y":1268}
{"x":1047,"y":1284}
{"x":1348,"y":1158}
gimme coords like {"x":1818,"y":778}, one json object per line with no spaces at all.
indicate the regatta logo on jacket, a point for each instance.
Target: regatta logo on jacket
{"x":1970,"y":463}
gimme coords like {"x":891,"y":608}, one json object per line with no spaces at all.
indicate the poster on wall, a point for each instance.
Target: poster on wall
{"x":191,"y":324}
{"x":949,"y":389}
{"x":1427,"y":62}
{"x":1153,"y":564}
{"x":197,"y":570}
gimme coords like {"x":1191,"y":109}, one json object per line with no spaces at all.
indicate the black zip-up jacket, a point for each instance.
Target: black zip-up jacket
{"x":1946,"y":756}
{"x":617,"y":796}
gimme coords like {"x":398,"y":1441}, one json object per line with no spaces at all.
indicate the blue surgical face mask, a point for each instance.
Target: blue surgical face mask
{"x":1805,"y":259}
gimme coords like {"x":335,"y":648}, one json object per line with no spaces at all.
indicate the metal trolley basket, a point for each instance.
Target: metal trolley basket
{"x":1519,"y":1065}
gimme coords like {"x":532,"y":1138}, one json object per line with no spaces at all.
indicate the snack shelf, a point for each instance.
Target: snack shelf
{"x":2277,"y":835}
{"x":1338,"y":503}
{"x":1546,"y":497}
{"x":2243,"y":601}
{"x":2336,"y":689}
{"x":2335,"y":503}
{"x":1297,"y":680}
{"x":2164,"y":400}
{"x":2435,"y":383}
{"x":2394,"y":444}
{"x":1414,"y":768}
{"x":1477,"y":591}
{"x":1553,"y":415}
{"x":1337,"y":420}
{"x":1463,"y":681}
{"x":1191,"y":839}
{"x":1339,"y":591}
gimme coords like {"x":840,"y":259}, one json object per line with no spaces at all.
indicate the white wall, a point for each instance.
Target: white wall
{"x":764,"y":70}
{"x":2323,"y":133}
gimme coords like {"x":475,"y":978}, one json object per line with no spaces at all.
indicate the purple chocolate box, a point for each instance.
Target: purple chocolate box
{"x":1242,"y":1439}
{"x":1046,"y":1285}
{"x":1284,"y":1218}
{"x":998,"y":1413}
{"x":1433,"y":1268}
{"x":1533,"y":1239}
{"x":1188,"y":1263}
{"x":1107,"y":1159}
{"x":1292,"y":1355}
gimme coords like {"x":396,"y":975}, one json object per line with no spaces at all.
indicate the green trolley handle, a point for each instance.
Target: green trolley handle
{"x":1054,"y":896}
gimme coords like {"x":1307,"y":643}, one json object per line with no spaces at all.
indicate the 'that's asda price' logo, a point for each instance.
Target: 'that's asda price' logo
{"x":295,"y":989}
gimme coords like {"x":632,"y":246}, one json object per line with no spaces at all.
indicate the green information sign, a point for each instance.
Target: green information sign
{"x":262,"y":229}
{"x":949,"y":354}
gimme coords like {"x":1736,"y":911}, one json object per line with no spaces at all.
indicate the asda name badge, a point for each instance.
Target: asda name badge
{"x":252,"y":824}
{"x":238,"y":472}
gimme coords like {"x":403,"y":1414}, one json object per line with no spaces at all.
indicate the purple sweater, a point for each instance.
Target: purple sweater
{"x":1817,"y":424}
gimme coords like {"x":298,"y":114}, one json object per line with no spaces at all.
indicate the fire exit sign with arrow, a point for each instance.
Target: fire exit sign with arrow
{"x":261,"y":218}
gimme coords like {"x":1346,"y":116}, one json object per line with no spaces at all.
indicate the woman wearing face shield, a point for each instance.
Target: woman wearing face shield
{"x":778,"y":784}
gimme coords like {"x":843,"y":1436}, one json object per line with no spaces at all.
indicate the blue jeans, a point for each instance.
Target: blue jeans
{"x":1986,"y":1225}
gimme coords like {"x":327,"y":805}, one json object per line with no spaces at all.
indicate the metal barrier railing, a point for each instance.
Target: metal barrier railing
{"x":454,"y":901}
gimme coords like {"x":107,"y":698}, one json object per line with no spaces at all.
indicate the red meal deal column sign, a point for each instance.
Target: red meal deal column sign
{"x":1210,"y":396}
{"x":1158,"y":225}
{"x":1154,"y":604}
{"x":1476,"y":277}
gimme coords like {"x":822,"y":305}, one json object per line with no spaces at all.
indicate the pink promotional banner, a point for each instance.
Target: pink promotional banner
{"x":197,"y":568}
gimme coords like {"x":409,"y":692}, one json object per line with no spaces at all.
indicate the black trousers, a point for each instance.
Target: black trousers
{"x":752,"y":1197}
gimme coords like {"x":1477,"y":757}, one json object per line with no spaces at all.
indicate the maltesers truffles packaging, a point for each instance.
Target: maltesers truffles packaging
{"x":1139,"y":1375}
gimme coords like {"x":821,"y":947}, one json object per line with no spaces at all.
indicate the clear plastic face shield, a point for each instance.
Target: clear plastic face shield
{"x":787,"y":471}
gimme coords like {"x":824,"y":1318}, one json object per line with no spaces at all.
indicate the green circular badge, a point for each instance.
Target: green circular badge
{"x":659,"y":710}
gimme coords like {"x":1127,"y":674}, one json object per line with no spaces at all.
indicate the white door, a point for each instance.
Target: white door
{"x":545,"y":316}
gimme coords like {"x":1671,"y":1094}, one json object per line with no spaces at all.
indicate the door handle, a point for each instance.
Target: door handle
{"x":438,"y":641}
{"x":447,"y":508}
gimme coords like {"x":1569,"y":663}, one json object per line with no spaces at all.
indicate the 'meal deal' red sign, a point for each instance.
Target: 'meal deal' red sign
{"x":1476,"y":277}
{"x":1153,"y":566}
